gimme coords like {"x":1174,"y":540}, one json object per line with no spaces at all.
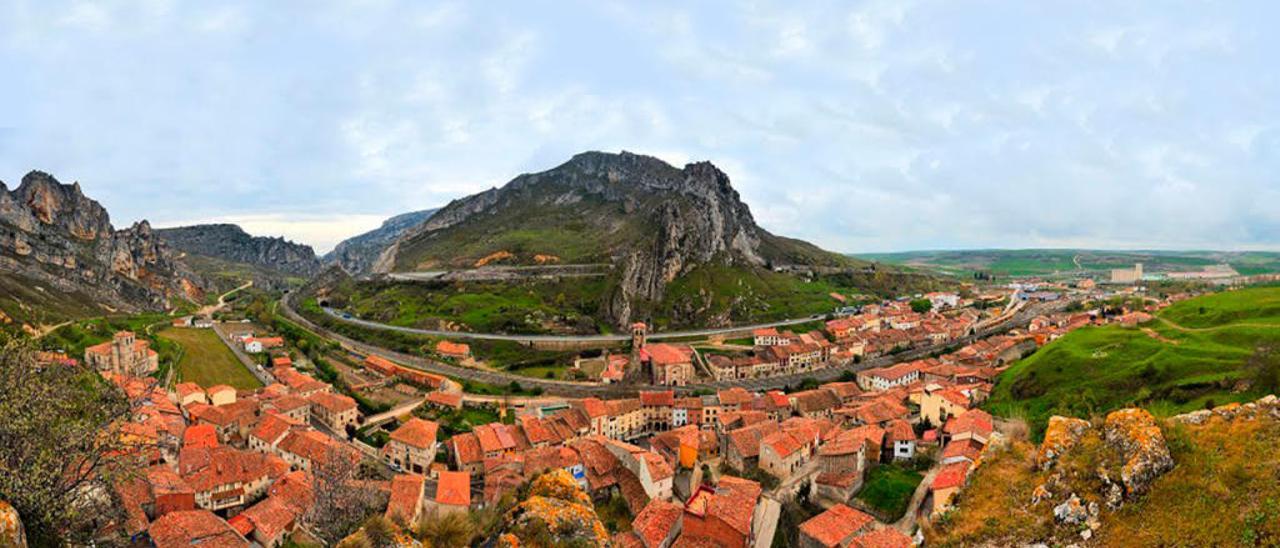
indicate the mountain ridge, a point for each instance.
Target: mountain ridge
{"x":61,"y":242}
{"x":230,"y":242}
{"x":358,"y":254}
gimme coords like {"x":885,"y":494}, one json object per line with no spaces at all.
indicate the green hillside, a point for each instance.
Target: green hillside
{"x":1193,"y":354}
{"x":1050,"y":262}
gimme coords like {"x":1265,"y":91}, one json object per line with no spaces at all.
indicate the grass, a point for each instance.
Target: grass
{"x":206,"y":361}
{"x":888,"y":489}
{"x":457,"y":421}
{"x":1097,"y":369}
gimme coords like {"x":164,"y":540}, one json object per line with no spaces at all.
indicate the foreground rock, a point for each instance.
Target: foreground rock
{"x":1134,"y":432}
{"x":556,"y":513}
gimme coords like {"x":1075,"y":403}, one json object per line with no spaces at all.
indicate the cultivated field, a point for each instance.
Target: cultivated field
{"x":1191,"y":356}
{"x":206,"y":361}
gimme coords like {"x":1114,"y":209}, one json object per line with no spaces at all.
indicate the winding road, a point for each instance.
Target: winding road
{"x":340,"y":316}
{"x":582,"y":389}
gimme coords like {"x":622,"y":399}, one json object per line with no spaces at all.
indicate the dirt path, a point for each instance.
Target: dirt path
{"x":222,"y":301}
{"x":1152,"y":333}
{"x":907,"y":524}
{"x":1186,"y":329}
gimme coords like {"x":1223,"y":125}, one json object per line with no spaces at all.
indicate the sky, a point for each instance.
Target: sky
{"x":860,"y":126}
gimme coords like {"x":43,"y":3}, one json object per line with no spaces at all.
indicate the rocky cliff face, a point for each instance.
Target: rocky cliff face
{"x":358,"y":254}
{"x":650,"y":221}
{"x":229,"y":242}
{"x":53,"y":235}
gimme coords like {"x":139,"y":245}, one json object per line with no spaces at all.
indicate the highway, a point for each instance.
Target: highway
{"x":338,"y":315}
{"x":583,"y":389}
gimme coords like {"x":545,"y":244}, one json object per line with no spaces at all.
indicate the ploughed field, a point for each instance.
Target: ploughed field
{"x":206,"y":361}
{"x":1195,"y":353}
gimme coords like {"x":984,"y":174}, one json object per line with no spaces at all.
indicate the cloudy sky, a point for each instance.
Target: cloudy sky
{"x":865,"y":126}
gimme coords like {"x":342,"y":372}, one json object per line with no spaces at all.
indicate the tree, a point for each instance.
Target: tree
{"x":342,"y":502}
{"x":60,"y":445}
{"x":1263,"y":369}
{"x":920,"y":306}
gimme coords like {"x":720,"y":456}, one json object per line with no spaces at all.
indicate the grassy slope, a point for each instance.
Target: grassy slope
{"x":24,"y":301}
{"x":206,"y":361}
{"x":480,"y":306}
{"x":1095,"y":369}
{"x":1222,"y":492}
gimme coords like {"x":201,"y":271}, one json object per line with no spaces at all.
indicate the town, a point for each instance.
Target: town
{"x":877,"y":452}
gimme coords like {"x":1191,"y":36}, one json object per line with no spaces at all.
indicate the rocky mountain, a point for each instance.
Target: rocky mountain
{"x":647,"y":222}
{"x":229,"y":242}
{"x":59,"y":256}
{"x":357,"y":254}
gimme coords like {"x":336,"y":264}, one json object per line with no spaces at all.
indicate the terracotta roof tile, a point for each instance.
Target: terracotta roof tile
{"x":836,"y":524}
{"x":416,"y":432}
{"x":454,"y":488}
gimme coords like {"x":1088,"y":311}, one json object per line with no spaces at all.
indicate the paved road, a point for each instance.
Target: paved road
{"x":564,"y":338}
{"x":582,"y":389}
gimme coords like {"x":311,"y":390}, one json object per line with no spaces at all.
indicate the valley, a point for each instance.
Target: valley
{"x":618,"y":332}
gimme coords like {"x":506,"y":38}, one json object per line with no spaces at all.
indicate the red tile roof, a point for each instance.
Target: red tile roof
{"x":187,"y":528}
{"x":593,"y":407}
{"x":658,"y":399}
{"x":951,"y":475}
{"x":200,"y":435}
{"x":735,"y":502}
{"x":668,"y":354}
{"x":969,"y":449}
{"x":407,"y":491}
{"x":782,"y":443}
{"x":446,"y":399}
{"x":417,"y":433}
{"x":454,"y":488}
{"x":334,"y":403}
{"x":975,"y":421}
{"x":899,"y":430}
{"x":833,"y":526}
{"x":467,"y":448}
{"x":734,"y":396}
{"x":449,"y":348}
{"x":655,"y":522}
{"x":272,"y":517}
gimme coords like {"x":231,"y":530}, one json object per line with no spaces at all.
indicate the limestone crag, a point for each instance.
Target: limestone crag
{"x":231,"y":243}
{"x":55,"y":237}
{"x":358,"y":254}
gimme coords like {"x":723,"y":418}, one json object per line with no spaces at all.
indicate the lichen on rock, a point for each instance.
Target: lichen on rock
{"x":1136,"y":435}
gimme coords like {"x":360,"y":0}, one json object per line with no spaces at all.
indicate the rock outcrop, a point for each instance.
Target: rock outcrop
{"x":11,"y":531}
{"x":358,"y":254}
{"x":1136,"y":435}
{"x":1060,"y":435}
{"x":229,"y":242}
{"x":557,"y":511}
{"x":55,"y":237}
